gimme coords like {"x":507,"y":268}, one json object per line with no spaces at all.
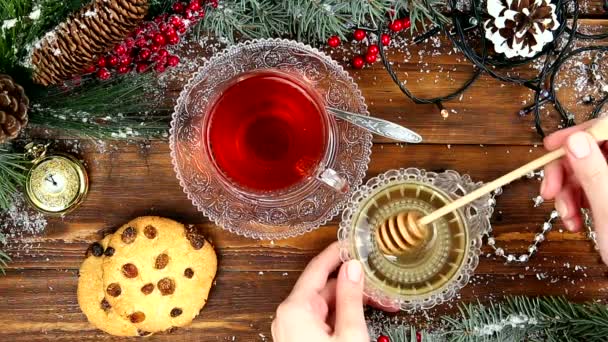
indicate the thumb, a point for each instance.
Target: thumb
{"x":591,"y":170}
{"x":350,"y":321}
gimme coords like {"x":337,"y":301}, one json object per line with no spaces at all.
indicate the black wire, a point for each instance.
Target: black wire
{"x":555,"y":59}
{"x":416,"y":99}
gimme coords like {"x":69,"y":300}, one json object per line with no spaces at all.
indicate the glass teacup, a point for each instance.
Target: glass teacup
{"x":269,"y":137}
{"x":273,"y":205}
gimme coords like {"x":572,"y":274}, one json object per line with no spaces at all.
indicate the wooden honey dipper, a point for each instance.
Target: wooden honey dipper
{"x":404,"y":231}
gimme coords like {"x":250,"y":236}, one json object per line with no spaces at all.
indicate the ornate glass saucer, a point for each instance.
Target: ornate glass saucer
{"x":267,"y":219}
{"x":430,"y":272}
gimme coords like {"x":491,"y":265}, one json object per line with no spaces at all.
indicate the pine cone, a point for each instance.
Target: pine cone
{"x":521,"y":27}
{"x":75,"y":43}
{"x":13,"y":108}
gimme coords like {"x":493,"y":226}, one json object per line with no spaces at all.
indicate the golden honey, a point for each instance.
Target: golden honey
{"x":431,"y":262}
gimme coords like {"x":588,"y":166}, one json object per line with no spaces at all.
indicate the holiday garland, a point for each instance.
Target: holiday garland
{"x":513,"y":320}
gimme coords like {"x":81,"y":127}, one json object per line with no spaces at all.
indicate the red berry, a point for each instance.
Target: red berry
{"x":161,"y":18}
{"x":169,"y":31}
{"x":214,"y":3}
{"x":103,"y":74}
{"x":159,"y":39}
{"x":406,"y":23}
{"x":359,"y":34}
{"x":141,"y":42}
{"x":385,"y":39}
{"x":137,"y":31}
{"x":150,"y":27}
{"x":172,"y":61}
{"x":159,"y":67}
{"x":176,"y":21}
{"x":144,"y":54}
{"x":90,"y":69}
{"x":181,"y":29}
{"x":123,"y":69}
{"x":418,"y":336}
{"x":154,"y":48}
{"x":163,"y":26}
{"x":194,"y":6}
{"x":120,"y":50}
{"x":358,"y":62}
{"x":101,"y":62}
{"x":112,"y":60}
{"x":188,"y":15}
{"x":383,"y":338}
{"x":372,"y":49}
{"x":370,"y":58}
{"x":173,"y":39}
{"x":396,"y":26}
{"x":201,"y":13}
{"x":141,"y":67}
{"x":126,"y":60}
{"x":333,"y":41}
{"x":162,"y":53}
{"x":129,"y":43}
{"x":178,"y":7}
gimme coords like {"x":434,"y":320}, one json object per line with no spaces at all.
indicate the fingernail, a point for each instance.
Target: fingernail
{"x":569,"y":225}
{"x":578,"y":144}
{"x":353,"y":271}
{"x":561,"y":208}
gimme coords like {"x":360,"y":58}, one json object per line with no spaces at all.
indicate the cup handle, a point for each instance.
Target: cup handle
{"x":333,"y":179}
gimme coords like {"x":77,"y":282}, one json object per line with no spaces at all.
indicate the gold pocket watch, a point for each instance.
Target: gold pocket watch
{"x":56,"y":183}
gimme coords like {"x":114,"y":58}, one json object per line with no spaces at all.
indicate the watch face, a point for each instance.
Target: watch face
{"x":54,"y":184}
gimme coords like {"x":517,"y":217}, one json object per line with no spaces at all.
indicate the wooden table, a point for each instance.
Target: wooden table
{"x":484,"y":137}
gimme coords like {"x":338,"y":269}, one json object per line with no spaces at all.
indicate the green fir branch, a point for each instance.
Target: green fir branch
{"x":13,"y":170}
{"x":516,"y":319}
{"x":4,"y":258}
{"x":124,"y":108}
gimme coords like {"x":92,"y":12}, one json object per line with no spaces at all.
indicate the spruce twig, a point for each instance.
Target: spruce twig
{"x":13,"y":169}
{"x":517,"y":319}
{"x":123,"y":108}
{"x":4,"y":258}
{"x":307,"y":20}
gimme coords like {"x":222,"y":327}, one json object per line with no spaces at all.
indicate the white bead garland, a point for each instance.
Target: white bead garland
{"x":539,"y":237}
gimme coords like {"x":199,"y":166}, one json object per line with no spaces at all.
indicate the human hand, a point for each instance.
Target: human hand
{"x":579,"y":180}
{"x":321,"y":309}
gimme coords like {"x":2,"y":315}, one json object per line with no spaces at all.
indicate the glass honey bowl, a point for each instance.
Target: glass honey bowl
{"x":436,"y":263}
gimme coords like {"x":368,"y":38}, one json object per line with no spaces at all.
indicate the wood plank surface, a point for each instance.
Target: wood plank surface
{"x":484,"y":137}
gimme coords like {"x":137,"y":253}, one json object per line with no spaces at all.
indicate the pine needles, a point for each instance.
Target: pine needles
{"x":518,"y":319}
{"x":13,"y":169}
{"x":125,"y":108}
{"x":4,"y":258}
{"x":307,"y":20}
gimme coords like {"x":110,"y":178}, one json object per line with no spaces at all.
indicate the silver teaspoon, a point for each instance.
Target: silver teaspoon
{"x":378,"y":126}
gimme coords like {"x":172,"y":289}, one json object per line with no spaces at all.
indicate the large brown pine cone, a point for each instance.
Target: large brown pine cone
{"x":13,"y":108}
{"x":74,"y":44}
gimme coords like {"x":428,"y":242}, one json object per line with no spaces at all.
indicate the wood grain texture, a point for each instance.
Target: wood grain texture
{"x":484,"y":138}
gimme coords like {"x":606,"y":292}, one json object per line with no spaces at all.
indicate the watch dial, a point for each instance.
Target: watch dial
{"x":55,"y":183}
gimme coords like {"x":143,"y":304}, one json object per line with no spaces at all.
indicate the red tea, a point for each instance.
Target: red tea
{"x":267,"y":131}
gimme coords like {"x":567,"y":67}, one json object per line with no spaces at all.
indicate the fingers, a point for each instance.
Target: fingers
{"x":591,"y":170}
{"x":557,"y":139}
{"x":328,"y":293}
{"x":350,"y":321}
{"x":553,"y":181}
{"x":568,"y":204}
{"x":386,"y":308}
{"x":315,"y":275}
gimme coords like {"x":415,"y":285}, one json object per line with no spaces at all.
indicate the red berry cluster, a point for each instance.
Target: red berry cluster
{"x":146,"y":47}
{"x":371,"y":54}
